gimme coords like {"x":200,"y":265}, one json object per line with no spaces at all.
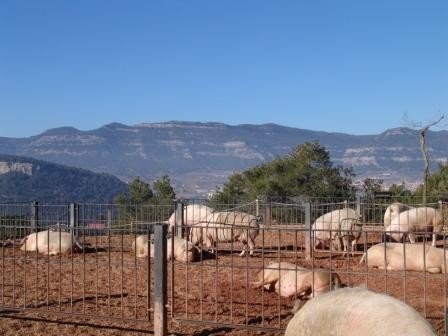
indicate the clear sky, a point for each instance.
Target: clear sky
{"x":341,"y":66}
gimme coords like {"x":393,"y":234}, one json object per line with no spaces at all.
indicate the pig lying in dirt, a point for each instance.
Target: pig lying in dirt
{"x":357,"y":311}
{"x":183,"y":250}
{"x":289,"y":279}
{"x":391,"y":256}
{"x":50,"y":242}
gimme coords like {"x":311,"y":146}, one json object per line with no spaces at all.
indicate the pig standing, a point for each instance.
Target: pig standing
{"x":326,"y":228}
{"x":192,"y":214}
{"x":357,"y":311}
{"x":394,"y":210}
{"x":422,"y":219}
{"x":227,"y":226}
{"x":350,"y":232}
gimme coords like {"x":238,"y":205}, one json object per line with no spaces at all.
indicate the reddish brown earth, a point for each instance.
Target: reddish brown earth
{"x":104,"y":290}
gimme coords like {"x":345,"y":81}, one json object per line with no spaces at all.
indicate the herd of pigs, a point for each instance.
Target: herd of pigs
{"x":344,"y":311}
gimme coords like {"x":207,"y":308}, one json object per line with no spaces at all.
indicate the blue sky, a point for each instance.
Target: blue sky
{"x":341,"y":66}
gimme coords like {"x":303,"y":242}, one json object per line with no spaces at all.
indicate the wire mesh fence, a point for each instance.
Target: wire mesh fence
{"x":293,"y":258}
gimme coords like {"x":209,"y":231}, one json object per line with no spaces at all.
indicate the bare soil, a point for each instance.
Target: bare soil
{"x":104,"y":291}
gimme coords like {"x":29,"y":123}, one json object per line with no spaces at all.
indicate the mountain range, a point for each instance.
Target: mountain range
{"x":200,"y":156}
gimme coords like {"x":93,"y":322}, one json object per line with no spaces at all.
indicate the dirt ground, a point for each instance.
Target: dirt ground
{"x":104,"y":291}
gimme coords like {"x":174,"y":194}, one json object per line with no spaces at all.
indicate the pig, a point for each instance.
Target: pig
{"x":50,"y":242}
{"x":271,"y":273}
{"x":419,"y":257}
{"x":357,"y":311}
{"x":350,"y":231}
{"x":422,"y":219}
{"x":226,"y":226}
{"x":183,"y":249}
{"x":331,"y":221}
{"x":393,"y":210}
{"x":307,"y":283}
{"x":289,"y":279}
{"x":192,"y":214}
{"x":140,"y":246}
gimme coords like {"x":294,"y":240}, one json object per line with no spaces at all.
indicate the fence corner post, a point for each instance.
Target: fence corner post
{"x":179,"y":227}
{"x":160,"y":280}
{"x":73,"y":219}
{"x":308,"y":233}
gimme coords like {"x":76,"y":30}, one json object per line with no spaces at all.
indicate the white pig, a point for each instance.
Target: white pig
{"x":412,"y":257}
{"x":227,"y":226}
{"x":394,"y":210}
{"x":357,"y":311}
{"x":50,"y":242}
{"x":192,"y":214}
{"x":289,"y":280}
{"x":422,"y":219}
{"x":330,"y":223}
{"x":183,"y":250}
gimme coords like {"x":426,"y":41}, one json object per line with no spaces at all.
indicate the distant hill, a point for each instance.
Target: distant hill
{"x":24,"y":180}
{"x":200,"y":156}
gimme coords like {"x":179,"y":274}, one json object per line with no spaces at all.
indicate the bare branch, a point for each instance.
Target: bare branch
{"x":425,"y":155}
{"x":432,"y":124}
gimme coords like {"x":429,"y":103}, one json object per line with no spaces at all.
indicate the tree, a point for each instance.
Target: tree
{"x":422,"y":140}
{"x":307,"y":171}
{"x":131,"y":203}
{"x":371,"y":186}
{"x":399,"y":190}
{"x":140,"y":191}
{"x":163,"y":191}
{"x":437,"y":184}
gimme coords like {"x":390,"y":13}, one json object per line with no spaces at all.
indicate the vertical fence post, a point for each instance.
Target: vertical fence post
{"x":160,"y":280}
{"x":34,"y":216}
{"x":446,"y":321}
{"x":308,"y":233}
{"x":73,"y":218}
{"x":109,"y":216}
{"x":358,"y":205}
{"x":257,"y":207}
{"x":179,"y":219}
{"x":267,"y":213}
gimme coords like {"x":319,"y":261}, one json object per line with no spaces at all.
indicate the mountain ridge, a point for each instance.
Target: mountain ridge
{"x":199,"y":156}
{"x":24,"y":179}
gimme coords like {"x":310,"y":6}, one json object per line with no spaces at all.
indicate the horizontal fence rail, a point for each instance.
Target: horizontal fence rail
{"x":147,"y":264}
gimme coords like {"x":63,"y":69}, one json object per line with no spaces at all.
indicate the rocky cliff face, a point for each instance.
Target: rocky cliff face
{"x":200,"y":156}
{"x":16,"y":167}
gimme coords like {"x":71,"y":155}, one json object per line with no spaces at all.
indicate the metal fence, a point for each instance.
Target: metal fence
{"x":108,"y":280}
